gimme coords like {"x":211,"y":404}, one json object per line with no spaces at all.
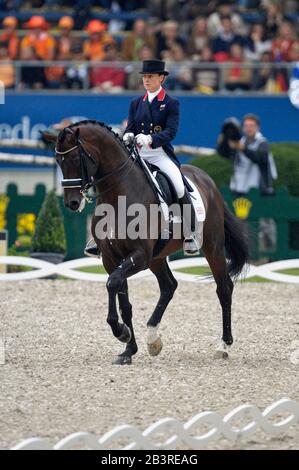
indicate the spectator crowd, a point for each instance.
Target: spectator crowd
{"x":208,"y":45}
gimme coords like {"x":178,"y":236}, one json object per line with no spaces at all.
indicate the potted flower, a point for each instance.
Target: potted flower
{"x":49,"y":242}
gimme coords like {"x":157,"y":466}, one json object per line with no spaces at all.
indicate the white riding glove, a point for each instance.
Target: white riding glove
{"x":144,"y":140}
{"x":128,"y":138}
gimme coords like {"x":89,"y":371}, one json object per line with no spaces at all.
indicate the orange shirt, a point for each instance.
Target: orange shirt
{"x":281,"y":49}
{"x":43,"y":45}
{"x":94,"y":50}
{"x":12,"y":42}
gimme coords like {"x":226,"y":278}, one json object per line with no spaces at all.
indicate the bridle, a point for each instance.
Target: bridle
{"x":86,"y":181}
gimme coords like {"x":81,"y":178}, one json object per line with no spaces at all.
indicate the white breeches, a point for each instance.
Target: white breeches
{"x":169,"y":167}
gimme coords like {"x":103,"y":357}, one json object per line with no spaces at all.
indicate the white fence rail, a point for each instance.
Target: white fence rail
{"x":69,"y":269}
{"x":183,"y":434}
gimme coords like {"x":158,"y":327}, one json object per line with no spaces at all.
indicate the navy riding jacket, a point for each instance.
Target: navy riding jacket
{"x":160,"y":119}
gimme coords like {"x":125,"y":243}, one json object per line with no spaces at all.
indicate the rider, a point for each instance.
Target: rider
{"x":153,"y":121}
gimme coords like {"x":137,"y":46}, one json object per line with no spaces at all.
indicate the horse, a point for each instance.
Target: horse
{"x":91,"y":154}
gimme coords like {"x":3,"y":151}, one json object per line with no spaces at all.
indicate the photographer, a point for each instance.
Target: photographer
{"x":248,"y":149}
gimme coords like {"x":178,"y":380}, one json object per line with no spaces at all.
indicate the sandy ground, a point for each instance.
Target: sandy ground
{"x":58,"y":377}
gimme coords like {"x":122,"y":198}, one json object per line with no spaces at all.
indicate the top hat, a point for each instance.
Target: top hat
{"x":154,"y":66}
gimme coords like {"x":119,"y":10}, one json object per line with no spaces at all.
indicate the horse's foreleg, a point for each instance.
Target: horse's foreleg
{"x":126,"y":313}
{"x":167,"y":285}
{"x":134,"y":263}
{"x":217,"y":262}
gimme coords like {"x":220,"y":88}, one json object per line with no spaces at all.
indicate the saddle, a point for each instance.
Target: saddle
{"x":166,"y":195}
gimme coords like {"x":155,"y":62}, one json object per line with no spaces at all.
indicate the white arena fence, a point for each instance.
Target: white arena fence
{"x":44,"y":160}
{"x":69,"y":269}
{"x":274,"y":420}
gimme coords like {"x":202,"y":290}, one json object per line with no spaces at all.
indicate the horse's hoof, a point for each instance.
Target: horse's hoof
{"x":155,"y":348}
{"x":222,"y":351}
{"x":122,"y":360}
{"x":126,"y":335}
{"x":221,"y":355}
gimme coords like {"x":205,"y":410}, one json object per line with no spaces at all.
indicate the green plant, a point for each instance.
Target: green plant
{"x":286,"y":156}
{"x":49,"y":235}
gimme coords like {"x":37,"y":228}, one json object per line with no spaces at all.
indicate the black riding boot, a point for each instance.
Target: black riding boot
{"x":190,"y":229}
{"x":91,"y":249}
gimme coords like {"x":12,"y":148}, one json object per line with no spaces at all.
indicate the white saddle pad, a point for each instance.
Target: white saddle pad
{"x":197,"y":201}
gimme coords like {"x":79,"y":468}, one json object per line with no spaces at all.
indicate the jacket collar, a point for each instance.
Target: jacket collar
{"x":161,"y":95}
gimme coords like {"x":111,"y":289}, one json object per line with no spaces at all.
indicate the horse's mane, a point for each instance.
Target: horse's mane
{"x":102,"y":124}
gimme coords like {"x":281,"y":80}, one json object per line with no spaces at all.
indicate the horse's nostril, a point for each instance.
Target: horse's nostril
{"x":74,"y":205}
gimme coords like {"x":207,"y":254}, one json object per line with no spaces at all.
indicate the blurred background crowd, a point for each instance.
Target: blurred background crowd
{"x":209,"y":45}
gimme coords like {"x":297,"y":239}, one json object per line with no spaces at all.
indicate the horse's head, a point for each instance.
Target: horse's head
{"x":77,"y":164}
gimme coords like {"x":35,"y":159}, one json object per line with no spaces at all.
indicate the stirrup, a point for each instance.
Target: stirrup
{"x":191,"y":246}
{"x":91,"y":249}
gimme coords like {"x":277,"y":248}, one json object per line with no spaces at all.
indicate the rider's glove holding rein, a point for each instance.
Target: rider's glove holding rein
{"x":144,"y":140}
{"x":128,"y":137}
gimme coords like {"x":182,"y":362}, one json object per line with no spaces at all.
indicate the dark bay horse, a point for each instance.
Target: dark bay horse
{"x":89,"y":153}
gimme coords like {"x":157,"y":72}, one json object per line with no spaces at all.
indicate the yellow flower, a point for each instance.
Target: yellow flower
{"x":25,"y":223}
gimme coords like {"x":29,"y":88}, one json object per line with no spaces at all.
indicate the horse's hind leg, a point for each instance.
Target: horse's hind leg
{"x":167,"y":285}
{"x":217,"y":262}
{"x":126,"y":314}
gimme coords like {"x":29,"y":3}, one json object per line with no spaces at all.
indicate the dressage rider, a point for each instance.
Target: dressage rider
{"x":153,"y":121}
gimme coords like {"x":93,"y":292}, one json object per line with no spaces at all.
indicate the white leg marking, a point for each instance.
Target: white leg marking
{"x":152,"y":333}
{"x":222,"y":350}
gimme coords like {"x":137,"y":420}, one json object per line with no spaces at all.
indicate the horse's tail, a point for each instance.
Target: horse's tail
{"x":236,"y":243}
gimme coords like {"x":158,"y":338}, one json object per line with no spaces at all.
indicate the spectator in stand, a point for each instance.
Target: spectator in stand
{"x":206,"y":79}
{"x":225,"y":8}
{"x":168,"y":37}
{"x":76,"y":74}
{"x":166,"y":10}
{"x":191,"y":9}
{"x":108,"y":77}
{"x":283,"y":43}
{"x":237,"y":77}
{"x":257,"y":43}
{"x":133,"y":72}
{"x":9,"y":37}
{"x":180,"y":74}
{"x":7,"y":70}
{"x":224,"y":40}
{"x":55,"y":74}
{"x":199,"y":38}
{"x":294,"y":52}
{"x":37,"y":45}
{"x":93,"y":48}
{"x":138,"y":38}
{"x":274,"y":18}
{"x":264,"y":74}
{"x":65,"y":38}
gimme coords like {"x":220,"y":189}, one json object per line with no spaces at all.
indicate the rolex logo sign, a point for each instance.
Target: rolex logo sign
{"x":242,"y":207}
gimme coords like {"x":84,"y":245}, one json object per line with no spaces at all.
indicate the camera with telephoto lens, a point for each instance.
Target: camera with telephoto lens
{"x":231,"y":129}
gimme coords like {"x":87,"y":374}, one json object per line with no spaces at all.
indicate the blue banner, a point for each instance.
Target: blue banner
{"x":24,"y":114}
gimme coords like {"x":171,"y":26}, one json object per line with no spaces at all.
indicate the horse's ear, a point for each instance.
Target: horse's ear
{"x":77,"y":133}
{"x":48,"y":137}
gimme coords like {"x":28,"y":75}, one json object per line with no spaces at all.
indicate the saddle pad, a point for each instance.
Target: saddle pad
{"x":197,"y":201}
